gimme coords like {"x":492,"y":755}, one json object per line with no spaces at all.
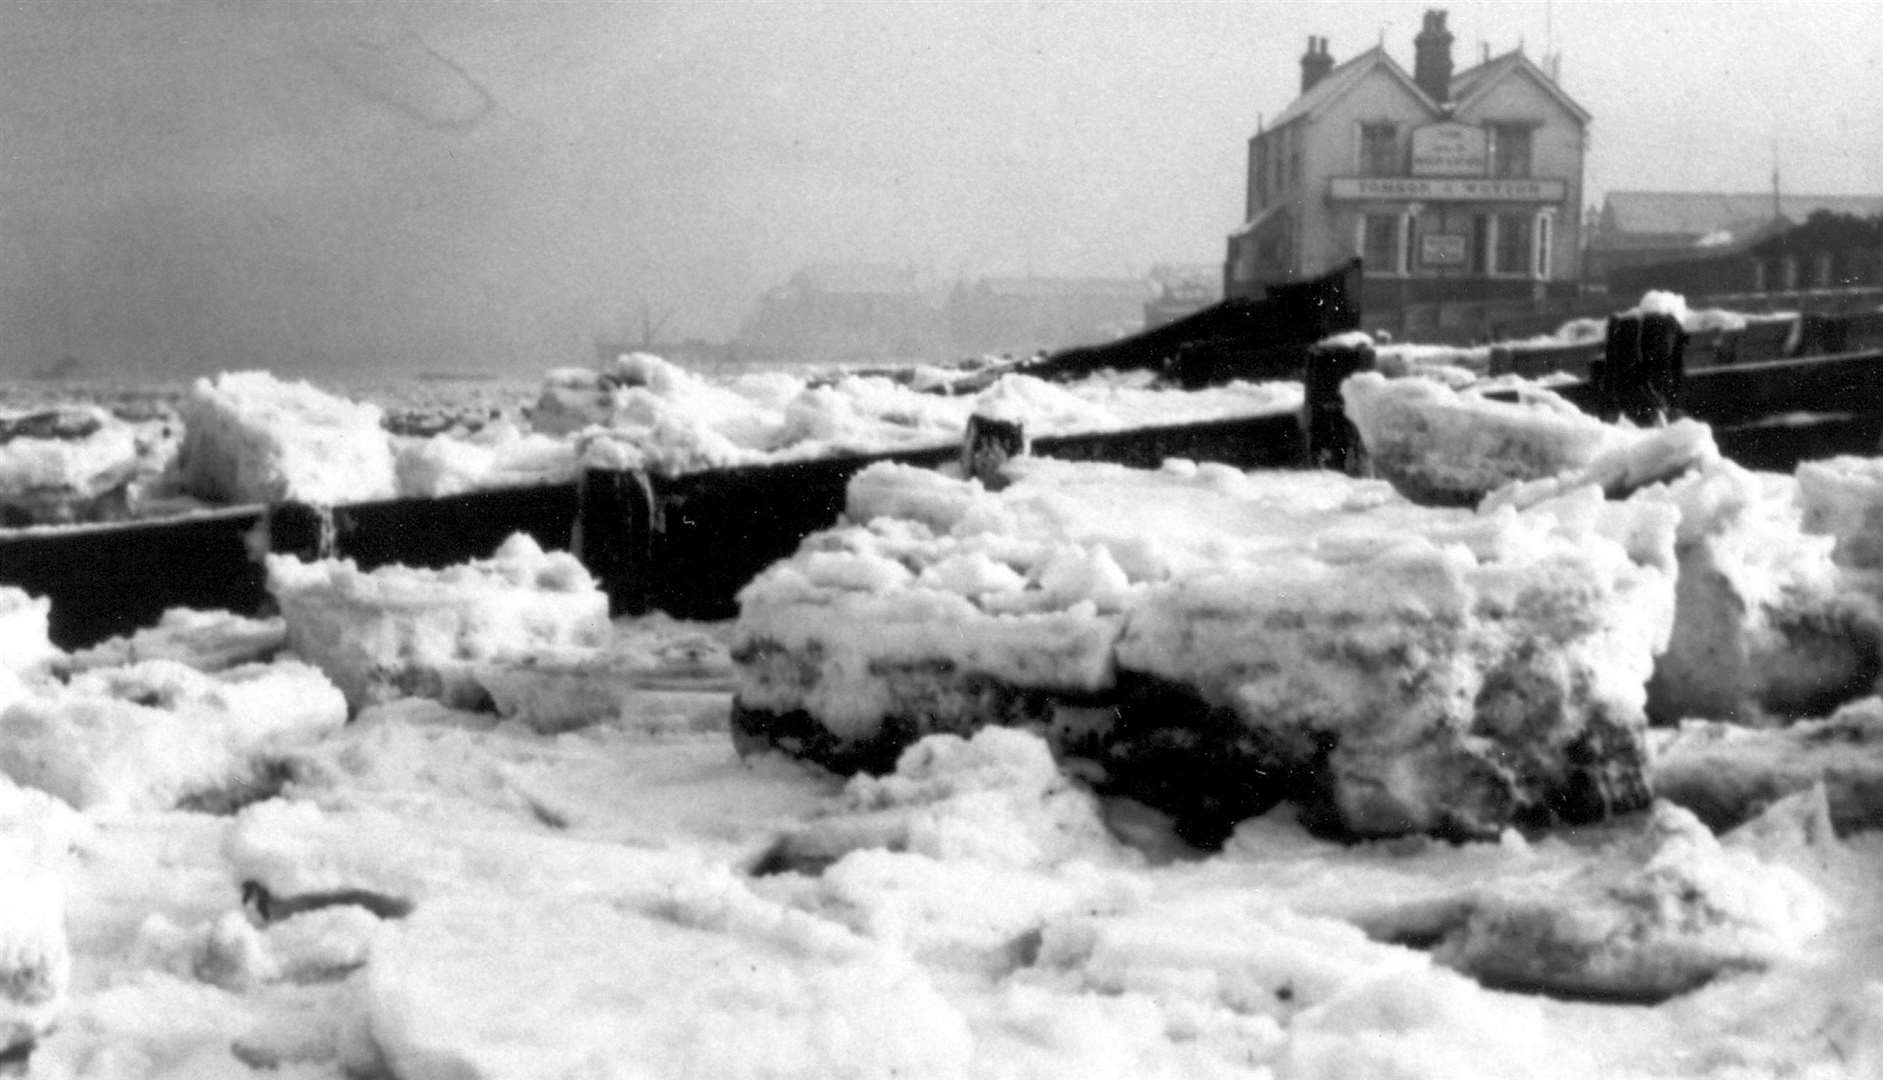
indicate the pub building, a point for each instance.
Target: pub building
{"x":1452,"y":188}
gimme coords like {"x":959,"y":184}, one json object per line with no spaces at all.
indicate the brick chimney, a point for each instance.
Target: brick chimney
{"x":1315,"y":63}
{"x":1431,"y":60}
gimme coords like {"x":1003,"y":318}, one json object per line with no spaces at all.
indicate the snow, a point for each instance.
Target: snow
{"x":204,"y":640}
{"x":1440,"y":445}
{"x":1669,"y":911}
{"x":630,"y":898}
{"x":154,"y":734}
{"x":250,"y":437}
{"x":498,"y":455}
{"x":1768,"y":626}
{"x":1633,"y":459}
{"x":1842,"y":497}
{"x":1313,"y":608}
{"x":399,"y":630}
{"x":644,"y":413}
{"x":570,"y":868}
{"x":35,"y":960}
{"x":24,"y":621}
{"x":55,"y":464}
{"x":997,"y":797}
{"x":1347,"y":339}
{"x":1721,"y":770}
{"x":744,"y":989}
{"x":1700,"y":320}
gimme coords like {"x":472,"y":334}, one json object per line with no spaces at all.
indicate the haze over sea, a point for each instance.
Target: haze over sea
{"x":350,"y":189}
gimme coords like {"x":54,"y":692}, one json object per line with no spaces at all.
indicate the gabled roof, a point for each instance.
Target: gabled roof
{"x":1472,"y":83}
{"x":1335,"y":84}
{"x":1699,"y":213}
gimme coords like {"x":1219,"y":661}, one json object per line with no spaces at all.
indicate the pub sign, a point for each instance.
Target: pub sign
{"x":1450,"y":148}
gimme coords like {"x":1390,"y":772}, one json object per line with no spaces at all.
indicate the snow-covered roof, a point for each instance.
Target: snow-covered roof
{"x":1473,"y":83}
{"x":1343,"y":78}
{"x":1466,"y":88}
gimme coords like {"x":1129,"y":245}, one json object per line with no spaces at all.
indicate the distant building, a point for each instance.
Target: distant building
{"x":876,"y":313}
{"x":1022,"y":315}
{"x":1828,"y":255}
{"x":1177,"y":291}
{"x":1641,"y":228}
{"x":1462,"y":186}
{"x":846,"y":312}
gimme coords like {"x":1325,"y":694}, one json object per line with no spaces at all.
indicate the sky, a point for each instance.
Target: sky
{"x":491,"y":185}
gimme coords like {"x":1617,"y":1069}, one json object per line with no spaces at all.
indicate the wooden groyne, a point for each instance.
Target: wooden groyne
{"x":686,"y":543}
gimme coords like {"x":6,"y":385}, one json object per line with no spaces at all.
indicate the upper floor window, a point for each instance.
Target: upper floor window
{"x":1510,"y":151}
{"x":1379,"y":150}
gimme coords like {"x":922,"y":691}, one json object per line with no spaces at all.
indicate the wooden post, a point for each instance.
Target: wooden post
{"x":1619,"y":368}
{"x":300,"y":529}
{"x":1643,"y":366}
{"x":1664,"y":367}
{"x":614,"y":536}
{"x":1332,"y":440}
{"x":989,"y":444}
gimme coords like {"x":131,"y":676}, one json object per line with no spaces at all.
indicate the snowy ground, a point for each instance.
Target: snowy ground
{"x":632,"y":899}
{"x":600,"y":886}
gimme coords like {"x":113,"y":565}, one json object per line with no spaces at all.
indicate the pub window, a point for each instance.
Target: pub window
{"x":1513,"y":244}
{"x":1379,"y":243}
{"x":1510,"y":151}
{"x":1379,"y":150}
{"x":1759,"y":283}
{"x":1480,"y":244}
{"x":1821,"y":277}
{"x":1545,"y":227}
{"x":1788,"y":272}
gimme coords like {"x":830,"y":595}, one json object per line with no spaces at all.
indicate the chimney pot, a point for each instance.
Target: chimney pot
{"x":1315,"y":63}
{"x":1431,"y":64}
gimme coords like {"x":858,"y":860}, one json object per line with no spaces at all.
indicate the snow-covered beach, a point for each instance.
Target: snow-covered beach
{"x":460,"y":823}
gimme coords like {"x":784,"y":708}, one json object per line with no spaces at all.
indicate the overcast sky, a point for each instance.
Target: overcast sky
{"x":201,"y":185}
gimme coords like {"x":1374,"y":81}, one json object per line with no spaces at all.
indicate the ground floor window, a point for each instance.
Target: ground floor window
{"x":1379,"y":243}
{"x":1540,"y":264}
{"x":1513,"y":245}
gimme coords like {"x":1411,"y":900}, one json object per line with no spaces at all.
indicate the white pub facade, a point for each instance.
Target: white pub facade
{"x":1449,"y":187}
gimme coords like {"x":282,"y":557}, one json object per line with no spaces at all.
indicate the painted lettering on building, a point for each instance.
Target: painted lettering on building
{"x":1442,"y":249}
{"x":1445,"y":189}
{"x":1450,"y":149}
